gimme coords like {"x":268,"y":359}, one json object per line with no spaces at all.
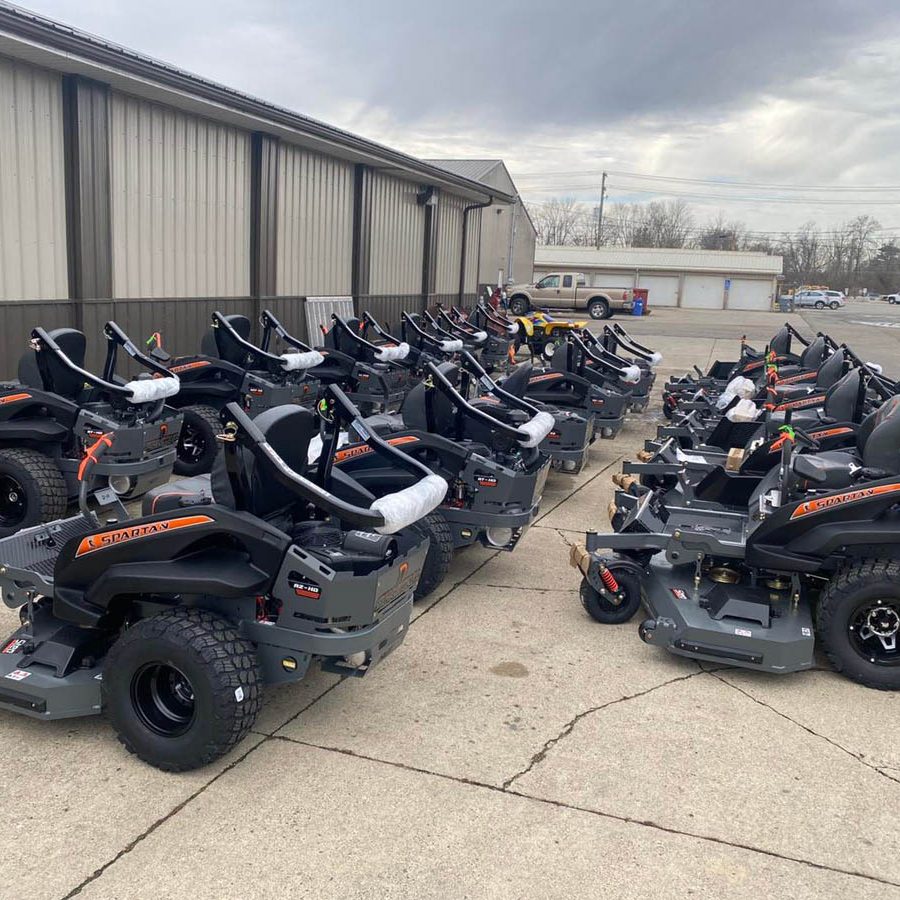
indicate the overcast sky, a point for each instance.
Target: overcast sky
{"x":793,"y":92}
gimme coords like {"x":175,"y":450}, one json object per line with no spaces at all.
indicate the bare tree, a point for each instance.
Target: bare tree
{"x":563,"y":222}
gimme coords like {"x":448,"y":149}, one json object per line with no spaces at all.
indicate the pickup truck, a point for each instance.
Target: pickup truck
{"x":569,"y":290}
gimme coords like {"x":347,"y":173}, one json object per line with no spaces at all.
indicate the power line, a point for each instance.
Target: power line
{"x":714,"y":181}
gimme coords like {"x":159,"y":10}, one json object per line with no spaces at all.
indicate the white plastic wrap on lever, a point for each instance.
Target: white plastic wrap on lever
{"x":292,"y":362}
{"x":655,"y":359}
{"x":411,"y":504}
{"x":536,"y":429}
{"x":743,"y":411}
{"x":387,"y":354}
{"x":147,"y":390}
{"x":451,"y":346}
{"x":875,"y":367}
{"x":479,"y":337}
{"x":631,"y":374}
{"x":512,"y":329}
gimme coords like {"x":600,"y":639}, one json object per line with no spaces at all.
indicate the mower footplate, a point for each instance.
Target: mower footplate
{"x":750,"y":627}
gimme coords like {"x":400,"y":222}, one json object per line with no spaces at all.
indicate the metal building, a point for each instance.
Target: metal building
{"x":507,"y":236}
{"x":130,"y":189}
{"x":701,"y":279}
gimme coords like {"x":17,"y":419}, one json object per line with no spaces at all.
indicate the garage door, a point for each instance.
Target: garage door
{"x":703,"y":292}
{"x":611,"y":279}
{"x":750,"y":293}
{"x":663,"y":289}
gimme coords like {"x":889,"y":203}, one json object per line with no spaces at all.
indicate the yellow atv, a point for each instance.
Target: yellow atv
{"x":542,"y":334}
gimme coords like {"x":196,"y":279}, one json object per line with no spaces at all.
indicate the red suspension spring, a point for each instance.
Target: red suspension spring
{"x":609,"y":579}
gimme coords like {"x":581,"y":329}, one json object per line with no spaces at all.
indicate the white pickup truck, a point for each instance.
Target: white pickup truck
{"x":569,"y":290}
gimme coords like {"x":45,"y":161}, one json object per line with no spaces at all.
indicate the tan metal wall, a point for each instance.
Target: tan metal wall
{"x":33,"y":263}
{"x":523,"y":247}
{"x":473,"y":251}
{"x":180,"y":203}
{"x":496,"y":224}
{"x":398,"y":236}
{"x":449,"y":236}
{"x":315,"y":223}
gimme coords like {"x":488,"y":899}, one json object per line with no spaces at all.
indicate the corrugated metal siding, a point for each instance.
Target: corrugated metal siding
{"x":182,"y":321}
{"x":473,"y":249}
{"x":18,"y":318}
{"x":496,"y":223}
{"x":450,"y":212}
{"x":315,"y":223}
{"x":523,"y":247}
{"x":397,"y":226}
{"x":180,"y":203}
{"x":33,"y":263}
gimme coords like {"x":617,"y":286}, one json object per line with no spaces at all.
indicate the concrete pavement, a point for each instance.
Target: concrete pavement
{"x":510,"y":748}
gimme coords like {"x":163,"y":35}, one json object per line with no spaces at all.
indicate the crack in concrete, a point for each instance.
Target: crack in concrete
{"x":581,"y":487}
{"x":160,"y":822}
{"x":808,"y":730}
{"x":615,"y":817}
{"x":569,"y":727}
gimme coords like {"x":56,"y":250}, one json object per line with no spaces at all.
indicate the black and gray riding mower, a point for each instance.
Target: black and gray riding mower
{"x":380,"y":378}
{"x":56,"y":415}
{"x":495,"y":470}
{"x":571,"y":384}
{"x":796,"y":368}
{"x":723,"y":468}
{"x":231,"y":369}
{"x":755,"y":588}
{"x":172,"y":622}
{"x":498,"y":351}
{"x":415,"y":333}
{"x":639,"y":376}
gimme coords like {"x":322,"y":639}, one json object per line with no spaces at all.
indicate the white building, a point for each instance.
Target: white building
{"x":700,"y":279}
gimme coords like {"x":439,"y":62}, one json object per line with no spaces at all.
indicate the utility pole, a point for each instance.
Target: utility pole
{"x":600,"y":216}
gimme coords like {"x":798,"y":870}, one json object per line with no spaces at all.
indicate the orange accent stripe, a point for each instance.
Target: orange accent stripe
{"x":813,"y":506}
{"x":104,"y":539}
{"x":184,"y":367}
{"x":817,"y":400}
{"x":360,"y":449}
{"x":14,"y":398}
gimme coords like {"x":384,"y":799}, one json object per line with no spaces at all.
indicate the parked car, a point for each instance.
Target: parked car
{"x":819,"y":299}
{"x":893,"y":299}
{"x":569,"y":290}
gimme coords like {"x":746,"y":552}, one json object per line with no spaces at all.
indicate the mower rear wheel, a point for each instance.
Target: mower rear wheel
{"x":858,"y":623}
{"x":181,"y":688}
{"x":439,"y":556}
{"x":197,"y":443}
{"x":602,"y":609}
{"x":32,"y":490}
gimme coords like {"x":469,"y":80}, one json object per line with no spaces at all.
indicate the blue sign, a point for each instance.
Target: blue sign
{"x":727,"y":284}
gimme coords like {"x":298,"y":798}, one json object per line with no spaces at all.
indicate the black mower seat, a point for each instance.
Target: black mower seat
{"x":60,"y":378}
{"x":780,"y":343}
{"x":814,"y":355}
{"x":288,"y":431}
{"x":422,"y":400}
{"x":219,"y":343}
{"x":842,"y":403}
{"x":516,"y":383}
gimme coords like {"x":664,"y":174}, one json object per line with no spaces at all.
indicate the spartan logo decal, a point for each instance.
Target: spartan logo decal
{"x":105,"y":539}
{"x":813,"y":506}
{"x":817,"y":400}
{"x":186,"y":367}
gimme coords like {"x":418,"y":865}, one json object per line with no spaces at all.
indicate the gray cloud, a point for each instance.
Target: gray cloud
{"x":800,"y":91}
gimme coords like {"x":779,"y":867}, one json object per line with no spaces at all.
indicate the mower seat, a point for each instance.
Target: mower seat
{"x":828,"y":374}
{"x":219,"y":343}
{"x":60,"y":378}
{"x":288,"y":430}
{"x":516,"y":383}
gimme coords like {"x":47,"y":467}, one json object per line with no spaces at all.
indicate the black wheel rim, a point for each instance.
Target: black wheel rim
{"x":874,"y":631}
{"x":163,"y":699}
{"x":12,"y":501}
{"x":191,"y":444}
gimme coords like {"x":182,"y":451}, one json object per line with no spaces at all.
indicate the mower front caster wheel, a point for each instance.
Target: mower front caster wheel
{"x":181,"y":688}
{"x":602,"y":608}
{"x":858,"y":623}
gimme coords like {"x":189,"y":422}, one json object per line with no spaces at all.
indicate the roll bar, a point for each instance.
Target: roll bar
{"x":409,"y":321}
{"x":474,"y":369}
{"x":463,"y":407}
{"x":461,"y":330}
{"x":41,"y":342}
{"x":603,"y":363}
{"x":256,"y":357}
{"x":271,"y":325}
